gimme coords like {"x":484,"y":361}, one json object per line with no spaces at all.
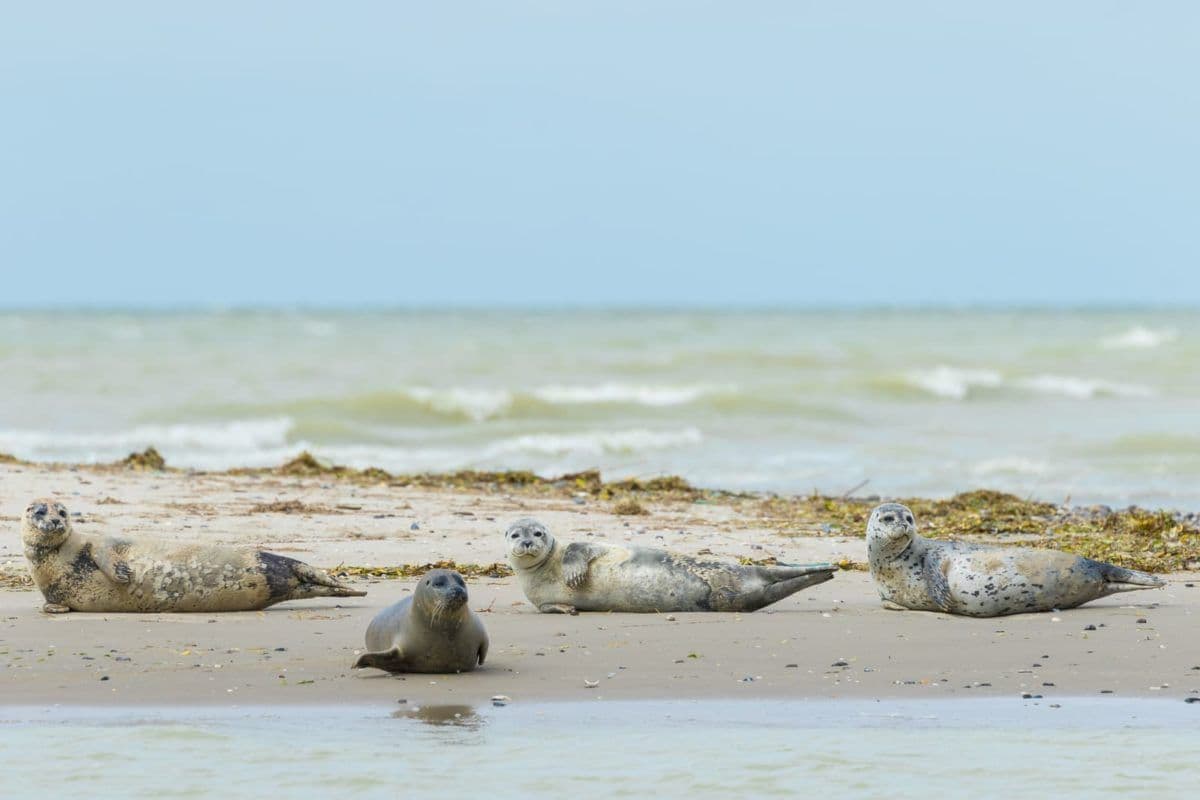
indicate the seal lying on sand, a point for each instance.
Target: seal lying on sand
{"x":432,"y":631}
{"x":602,"y":577}
{"x":980,"y":581}
{"x":77,"y":572}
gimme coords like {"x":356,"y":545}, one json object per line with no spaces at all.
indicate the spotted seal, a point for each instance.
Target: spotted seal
{"x":77,"y":572}
{"x":975,"y":580}
{"x":586,"y":576}
{"x":431,"y":631}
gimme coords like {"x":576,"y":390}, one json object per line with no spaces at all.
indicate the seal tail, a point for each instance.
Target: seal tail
{"x":388,"y":660}
{"x":319,"y":583}
{"x":1119,"y":579}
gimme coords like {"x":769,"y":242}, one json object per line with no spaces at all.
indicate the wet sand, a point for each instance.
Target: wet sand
{"x":831,"y":641}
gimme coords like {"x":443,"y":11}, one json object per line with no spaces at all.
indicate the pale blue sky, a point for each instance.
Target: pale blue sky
{"x":649,"y":153}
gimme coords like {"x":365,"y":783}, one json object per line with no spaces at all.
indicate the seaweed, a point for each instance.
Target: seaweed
{"x":629,"y":507}
{"x":398,"y":571}
{"x":1155,"y":541}
{"x":149,"y":460}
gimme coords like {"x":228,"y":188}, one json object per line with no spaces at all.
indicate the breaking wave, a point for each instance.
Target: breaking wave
{"x":1138,"y":337}
{"x":958,"y":384}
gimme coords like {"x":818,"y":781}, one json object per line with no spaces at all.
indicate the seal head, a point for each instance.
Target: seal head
{"x":529,"y":543}
{"x":891,"y":527}
{"x":45,"y":525}
{"x":441,"y":596}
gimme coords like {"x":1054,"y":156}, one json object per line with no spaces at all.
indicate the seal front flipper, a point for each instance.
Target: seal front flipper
{"x":55,"y":608}
{"x":937,"y":585}
{"x":109,"y":561}
{"x":558,"y":608}
{"x":390,"y":660}
{"x":576,"y":558}
{"x":483,"y":651}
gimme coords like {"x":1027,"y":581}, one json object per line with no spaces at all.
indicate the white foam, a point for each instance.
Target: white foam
{"x":952,"y":382}
{"x":596,"y":442}
{"x":475,"y":404}
{"x":1139,"y":337}
{"x":233,"y":436}
{"x":625,"y":393}
{"x":1082,"y":388}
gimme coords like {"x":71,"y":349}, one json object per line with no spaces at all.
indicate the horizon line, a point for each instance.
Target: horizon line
{"x":660,"y":308}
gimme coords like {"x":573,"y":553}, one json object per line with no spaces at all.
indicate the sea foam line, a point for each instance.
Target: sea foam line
{"x":957,"y":384}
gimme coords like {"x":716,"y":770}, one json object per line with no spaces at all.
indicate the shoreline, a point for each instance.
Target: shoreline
{"x":833,"y":641}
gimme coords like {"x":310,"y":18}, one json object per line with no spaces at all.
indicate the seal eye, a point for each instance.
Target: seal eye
{"x":909,"y":519}
{"x":459,"y":581}
{"x":514,"y":536}
{"x":538,"y":534}
{"x":439,"y":582}
{"x":888,"y":518}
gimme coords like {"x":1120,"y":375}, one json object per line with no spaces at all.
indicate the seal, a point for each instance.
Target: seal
{"x":584,"y":576}
{"x":975,"y":580}
{"x":76,"y":572}
{"x":431,"y":631}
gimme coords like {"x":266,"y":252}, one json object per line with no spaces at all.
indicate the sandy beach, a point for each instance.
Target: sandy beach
{"x":831,"y":641}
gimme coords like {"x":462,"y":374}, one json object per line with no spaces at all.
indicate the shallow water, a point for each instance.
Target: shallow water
{"x":1095,"y":406}
{"x":987,"y":748}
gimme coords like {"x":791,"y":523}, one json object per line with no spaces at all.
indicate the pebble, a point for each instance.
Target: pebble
{"x":797,"y":666}
{"x":1089,"y":627}
{"x":840,"y":663}
{"x":416,"y":526}
{"x":1191,"y":699}
{"x":590,"y":684}
{"x":103,"y":677}
{"x":1141,"y":621}
{"x":501,"y":700}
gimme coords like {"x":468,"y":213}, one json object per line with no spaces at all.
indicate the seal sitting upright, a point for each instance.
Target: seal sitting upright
{"x":431,"y":631}
{"x":980,"y":581}
{"x":586,"y":576}
{"x":76,"y":572}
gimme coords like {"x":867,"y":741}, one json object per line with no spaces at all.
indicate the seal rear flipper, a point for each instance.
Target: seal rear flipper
{"x":319,"y":583}
{"x":390,"y":660}
{"x":759,"y":598}
{"x":1119,"y":579}
{"x":783,"y":572}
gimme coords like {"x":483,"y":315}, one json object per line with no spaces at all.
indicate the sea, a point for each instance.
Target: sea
{"x":1077,"y":406}
{"x":982,"y":748}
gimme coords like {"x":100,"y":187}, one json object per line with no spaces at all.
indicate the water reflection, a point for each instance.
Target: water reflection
{"x":460,"y":716}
